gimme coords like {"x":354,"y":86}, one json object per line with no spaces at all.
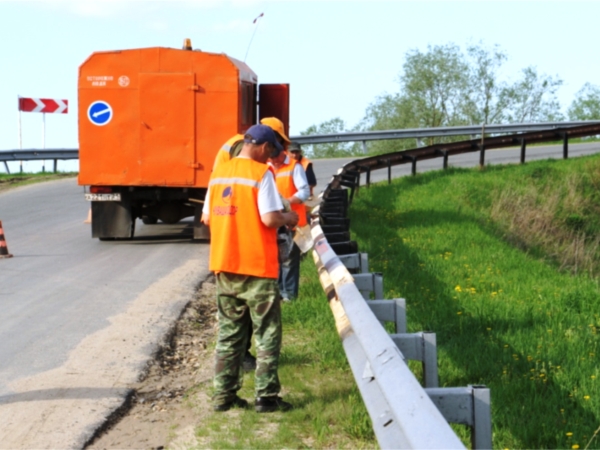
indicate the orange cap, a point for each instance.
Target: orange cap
{"x":276,"y":125}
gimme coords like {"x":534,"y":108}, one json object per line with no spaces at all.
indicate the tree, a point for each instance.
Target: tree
{"x":331,"y":150}
{"x":445,"y":87}
{"x":486,"y":100}
{"x":533,"y":98}
{"x":586,"y":105}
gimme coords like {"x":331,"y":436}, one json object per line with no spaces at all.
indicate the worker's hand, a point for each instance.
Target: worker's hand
{"x":205,"y":219}
{"x":293,"y":200}
{"x":291,"y":218}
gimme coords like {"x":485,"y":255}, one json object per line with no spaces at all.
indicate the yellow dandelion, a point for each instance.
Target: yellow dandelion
{"x":586,"y":397}
{"x":459,"y":313}
{"x":458,"y":288}
{"x":593,"y":377}
{"x":575,"y":446}
{"x":569,"y":433}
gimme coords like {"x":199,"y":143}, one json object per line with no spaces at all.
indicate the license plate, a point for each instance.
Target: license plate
{"x":103,"y":197}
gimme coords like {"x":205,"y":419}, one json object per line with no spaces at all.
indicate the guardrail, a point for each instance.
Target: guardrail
{"x":417,"y":133}
{"x":403,"y":413}
{"x":363,"y":136}
{"x":34,"y":155}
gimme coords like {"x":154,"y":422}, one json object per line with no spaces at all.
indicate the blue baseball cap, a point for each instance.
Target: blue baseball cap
{"x":259,"y":134}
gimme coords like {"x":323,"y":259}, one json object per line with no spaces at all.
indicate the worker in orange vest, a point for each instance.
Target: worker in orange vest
{"x":293,"y":186}
{"x":232,"y":147}
{"x":243,"y":209}
{"x":296,"y":151}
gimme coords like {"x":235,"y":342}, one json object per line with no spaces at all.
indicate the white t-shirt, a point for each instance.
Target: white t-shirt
{"x":268,"y":197}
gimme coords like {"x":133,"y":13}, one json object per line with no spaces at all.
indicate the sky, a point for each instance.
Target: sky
{"x":337,"y":56}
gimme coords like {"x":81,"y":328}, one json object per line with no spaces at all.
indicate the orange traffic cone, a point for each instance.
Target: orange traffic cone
{"x":3,"y":247}
{"x":89,"y":217}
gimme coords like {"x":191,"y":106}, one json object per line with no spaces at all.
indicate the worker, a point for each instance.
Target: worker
{"x":293,"y":187}
{"x":229,"y":150}
{"x":296,"y":151}
{"x":233,"y":146}
{"x":243,"y":210}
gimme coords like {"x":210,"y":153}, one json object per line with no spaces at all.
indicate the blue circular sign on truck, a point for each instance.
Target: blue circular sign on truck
{"x":100,"y":113}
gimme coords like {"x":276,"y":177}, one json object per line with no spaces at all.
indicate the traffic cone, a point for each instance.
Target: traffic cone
{"x":3,"y":247}
{"x":89,"y":217}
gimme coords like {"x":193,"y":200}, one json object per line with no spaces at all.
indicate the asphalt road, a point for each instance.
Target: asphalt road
{"x":81,"y":318}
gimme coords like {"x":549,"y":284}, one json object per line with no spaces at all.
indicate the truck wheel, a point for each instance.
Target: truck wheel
{"x":149,"y":220}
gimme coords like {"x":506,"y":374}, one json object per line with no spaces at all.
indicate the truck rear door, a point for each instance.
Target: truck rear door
{"x":274,"y":101}
{"x":167,"y":137}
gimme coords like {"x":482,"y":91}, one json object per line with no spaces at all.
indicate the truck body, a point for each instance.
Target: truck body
{"x":151,"y":121}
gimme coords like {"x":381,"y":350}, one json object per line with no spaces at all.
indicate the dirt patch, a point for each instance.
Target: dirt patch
{"x":170,"y":401}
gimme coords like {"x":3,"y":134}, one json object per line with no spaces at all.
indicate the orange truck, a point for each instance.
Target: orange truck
{"x":151,"y":122}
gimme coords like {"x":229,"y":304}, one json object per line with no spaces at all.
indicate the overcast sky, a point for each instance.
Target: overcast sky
{"x":338,"y":56}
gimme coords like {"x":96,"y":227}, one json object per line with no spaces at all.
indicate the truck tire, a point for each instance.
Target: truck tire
{"x":149,"y":220}
{"x":112,"y":220}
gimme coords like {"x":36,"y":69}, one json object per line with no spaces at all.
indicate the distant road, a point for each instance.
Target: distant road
{"x":80,"y":317}
{"x":326,"y":168}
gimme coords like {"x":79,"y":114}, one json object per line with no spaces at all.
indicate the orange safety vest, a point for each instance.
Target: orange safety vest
{"x":240,"y":242}
{"x":284,"y":177}
{"x":223,"y":154}
{"x":305,"y":162}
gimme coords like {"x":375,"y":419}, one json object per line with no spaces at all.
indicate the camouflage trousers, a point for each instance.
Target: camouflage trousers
{"x":245,"y":301}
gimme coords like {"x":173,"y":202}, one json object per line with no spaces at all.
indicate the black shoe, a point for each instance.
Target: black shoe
{"x":235,"y":403}
{"x":249,"y":363}
{"x":270,"y":404}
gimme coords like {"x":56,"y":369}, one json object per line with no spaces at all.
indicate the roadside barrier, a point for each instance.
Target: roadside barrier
{"x":404,"y":414}
{"x":3,"y":247}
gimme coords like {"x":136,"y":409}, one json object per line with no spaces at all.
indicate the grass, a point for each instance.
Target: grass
{"x":509,"y":309}
{"x":10,"y":180}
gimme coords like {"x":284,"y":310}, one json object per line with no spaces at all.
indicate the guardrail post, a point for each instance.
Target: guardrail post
{"x":390,"y":311}
{"x":523,"y":146}
{"x":6,"y":166}
{"x":422,"y":347}
{"x":413,"y":161}
{"x":389,"y":167}
{"x":367,"y":283}
{"x":565,"y":145}
{"x":482,"y":155}
{"x":364,"y":147}
{"x":358,"y":262}
{"x":468,"y":406}
{"x":55,"y":165}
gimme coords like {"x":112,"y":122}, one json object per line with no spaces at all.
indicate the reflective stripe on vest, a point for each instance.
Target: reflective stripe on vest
{"x":240,"y":242}
{"x":287,"y":188}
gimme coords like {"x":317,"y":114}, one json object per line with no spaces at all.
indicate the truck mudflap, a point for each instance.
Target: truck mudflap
{"x":112,"y":220}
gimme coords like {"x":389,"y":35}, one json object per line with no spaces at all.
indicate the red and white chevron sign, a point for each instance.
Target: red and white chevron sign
{"x":43,"y":105}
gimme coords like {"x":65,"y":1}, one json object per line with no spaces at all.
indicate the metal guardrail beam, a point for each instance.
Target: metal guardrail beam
{"x":403,"y":416}
{"x":434,"y":132}
{"x":365,"y":165}
{"x":39,"y":154}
